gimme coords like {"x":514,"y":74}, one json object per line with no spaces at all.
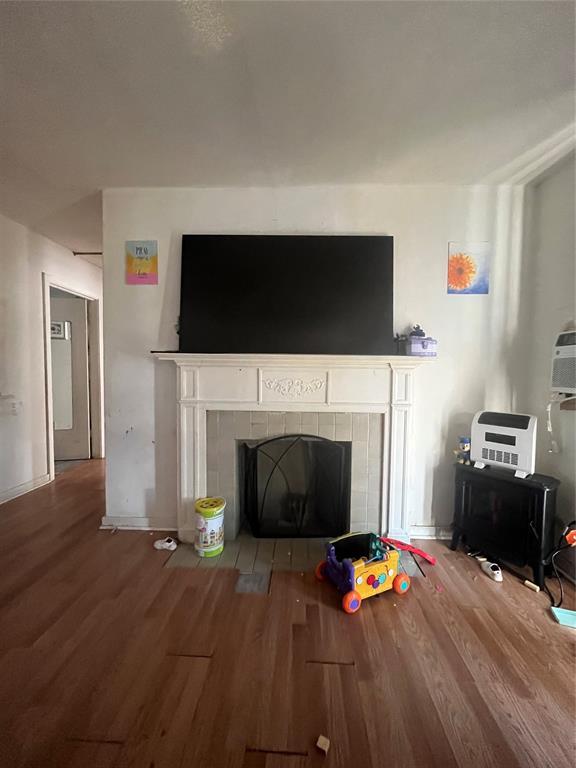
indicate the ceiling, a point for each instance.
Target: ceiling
{"x":107,"y":94}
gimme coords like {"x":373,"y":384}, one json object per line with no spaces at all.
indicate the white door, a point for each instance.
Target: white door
{"x":70,"y":383}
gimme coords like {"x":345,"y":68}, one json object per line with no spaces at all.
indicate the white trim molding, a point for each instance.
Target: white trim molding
{"x":20,"y":490}
{"x":430,"y":532}
{"x":137,"y":523}
{"x":95,"y":373}
{"x":306,"y":383}
{"x":534,"y":163}
{"x":515,"y":182}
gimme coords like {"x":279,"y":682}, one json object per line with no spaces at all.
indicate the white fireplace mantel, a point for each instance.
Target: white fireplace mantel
{"x":318,"y":383}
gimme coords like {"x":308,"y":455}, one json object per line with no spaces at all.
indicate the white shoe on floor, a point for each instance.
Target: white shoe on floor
{"x":492,"y":570}
{"x":168,"y":543}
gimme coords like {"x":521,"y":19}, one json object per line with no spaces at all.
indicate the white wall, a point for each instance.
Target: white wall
{"x":24,"y":256}
{"x":548,"y":304}
{"x":140,"y":393}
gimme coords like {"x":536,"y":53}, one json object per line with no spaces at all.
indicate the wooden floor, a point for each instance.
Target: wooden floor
{"x":110,"y":660}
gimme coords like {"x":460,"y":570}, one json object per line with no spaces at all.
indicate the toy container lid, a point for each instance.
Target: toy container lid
{"x":211,"y":506}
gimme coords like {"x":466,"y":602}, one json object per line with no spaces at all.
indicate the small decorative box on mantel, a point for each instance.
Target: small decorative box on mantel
{"x":425,"y":347}
{"x":417,"y":343}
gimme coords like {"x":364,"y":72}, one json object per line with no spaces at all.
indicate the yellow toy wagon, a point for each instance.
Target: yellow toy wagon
{"x":362,"y":565}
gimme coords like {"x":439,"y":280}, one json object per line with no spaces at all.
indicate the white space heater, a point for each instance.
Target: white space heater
{"x":506,"y":440}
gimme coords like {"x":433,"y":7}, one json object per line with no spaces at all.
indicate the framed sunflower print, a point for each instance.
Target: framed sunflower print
{"x":468,"y":267}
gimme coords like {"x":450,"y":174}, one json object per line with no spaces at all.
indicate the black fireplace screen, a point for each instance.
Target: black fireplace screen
{"x":295,"y":485}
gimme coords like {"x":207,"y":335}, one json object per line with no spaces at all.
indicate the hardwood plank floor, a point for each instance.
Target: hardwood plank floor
{"x":108,"y":659}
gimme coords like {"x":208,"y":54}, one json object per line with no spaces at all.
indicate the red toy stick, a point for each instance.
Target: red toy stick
{"x":409,"y":548}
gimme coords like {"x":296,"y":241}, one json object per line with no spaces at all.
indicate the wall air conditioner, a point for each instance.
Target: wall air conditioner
{"x":563,"y":375}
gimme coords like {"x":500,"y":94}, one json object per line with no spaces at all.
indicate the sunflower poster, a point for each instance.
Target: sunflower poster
{"x":468,"y":267}
{"x":141,"y":262}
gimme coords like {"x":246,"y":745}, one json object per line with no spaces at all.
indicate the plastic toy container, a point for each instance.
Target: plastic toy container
{"x":209,"y":526}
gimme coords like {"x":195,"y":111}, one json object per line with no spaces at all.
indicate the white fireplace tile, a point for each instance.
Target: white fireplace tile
{"x":343,"y":419}
{"x":374,"y":451}
{"x":358,"y":505}
{"x":359,"y":456}
{"x":373,"y":512}
{"x":359,"y":526}
{"x":375,"y":444}
{"x":375,"y":437}
{"x":343,"y":426}
{"x":360,"y":427}
{"x":212,"y":424}
{"x":293,"y":423}
{"x":327,"y":425}
{"x":374,"y":483}
{"x":359,"y":482}
{"x":226,"y":448}
{"x":276,"y":424}
{"x":226,"y":427}
{"x":375,"y":425}
{"x":212,"y":483}
{"x":212,"y":453}
{"x":258,"y":431}
{"x":374,"y":465}
{"x":241,"y":424}
{"x":327,"y":430}
{"x":310,"y":423}
{"x":231,"y":521}
{"x":227,"y":483}
{"x":227,"y":489}
{"x":343,"y":433}
{"x":258,"y":417}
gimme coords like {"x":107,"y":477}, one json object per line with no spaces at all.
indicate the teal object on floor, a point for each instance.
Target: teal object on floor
{"x":565,"y":617}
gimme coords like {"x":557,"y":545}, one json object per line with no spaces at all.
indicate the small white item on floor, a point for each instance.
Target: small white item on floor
{"x":531,"y":585}
{"x":481,"y":558}
{"x":323,"y":744}
{"x":168,"y":543}
{"x":492,"y":570}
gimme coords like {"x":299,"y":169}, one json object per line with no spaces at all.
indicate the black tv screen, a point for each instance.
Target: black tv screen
{"x":287,"y":294}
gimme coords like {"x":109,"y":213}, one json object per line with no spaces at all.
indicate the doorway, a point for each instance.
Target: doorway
{"x":73,"y":377}
{"x":70,"y":376}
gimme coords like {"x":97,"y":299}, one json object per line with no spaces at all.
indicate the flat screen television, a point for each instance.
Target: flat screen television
{"x":287,"y":294}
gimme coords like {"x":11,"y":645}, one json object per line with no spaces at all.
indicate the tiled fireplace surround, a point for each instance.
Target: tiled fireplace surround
{"x":364,"y":430}
{"x":222,"y":398}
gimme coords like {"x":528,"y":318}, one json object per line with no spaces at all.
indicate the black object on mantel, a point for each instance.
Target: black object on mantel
{"x":506,"y":517}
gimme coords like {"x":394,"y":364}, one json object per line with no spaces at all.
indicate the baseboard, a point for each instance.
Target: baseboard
{"x":138,"y":523}
{"x":163,"y":524}
{"x":430,"y":532}
{"x":399,"y":534}
{"x":20,"y":490}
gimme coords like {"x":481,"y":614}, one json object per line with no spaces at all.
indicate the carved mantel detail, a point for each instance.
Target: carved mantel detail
{"x":294,"y":388}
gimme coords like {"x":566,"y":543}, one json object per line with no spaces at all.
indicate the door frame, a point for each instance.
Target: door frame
{"x":94,"y":314}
